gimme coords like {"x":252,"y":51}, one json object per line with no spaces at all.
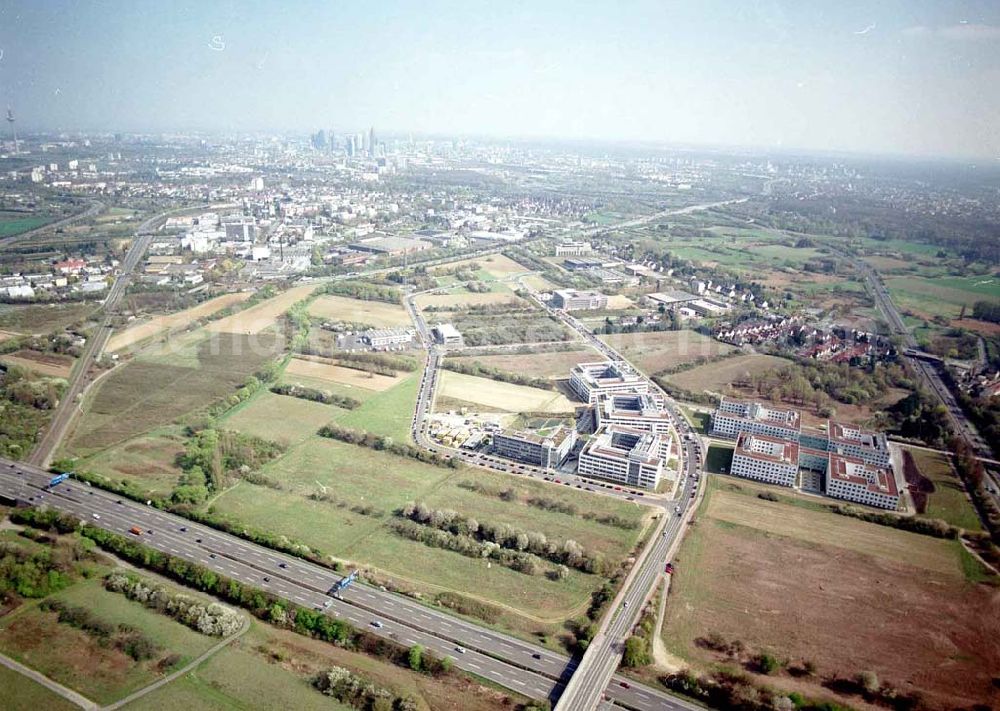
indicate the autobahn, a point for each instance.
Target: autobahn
{"x":523,"y":667}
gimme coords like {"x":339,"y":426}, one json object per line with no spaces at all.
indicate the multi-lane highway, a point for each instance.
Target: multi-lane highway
{"x":515,"y":664}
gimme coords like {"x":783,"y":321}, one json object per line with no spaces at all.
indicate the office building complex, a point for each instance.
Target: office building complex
{"x":447,"y":335}
{"x":640,"y":411}
{"x":573,"y":300}
{"x":592,"y":380}
{"x":767,"y":459}
{"x":733,"y":417}
{"x":625,"y":456}
{"x":548,"y":450}
{"x":852,"y":479}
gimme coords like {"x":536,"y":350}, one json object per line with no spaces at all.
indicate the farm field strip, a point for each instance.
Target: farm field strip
{"x":263,"y":315}
{"x":159,"y":324}
{"x":502,"y":396}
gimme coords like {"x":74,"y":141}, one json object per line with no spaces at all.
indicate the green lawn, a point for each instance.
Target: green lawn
{"x":942,"y":296}
{"x":718,"y":459}
{"x":281,"y":418}
{"x":23,"y":694}
{"x":38,"y":318}
{"x":386,"y":413}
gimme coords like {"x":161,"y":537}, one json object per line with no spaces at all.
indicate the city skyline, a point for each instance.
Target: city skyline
{"x":916,"y":79}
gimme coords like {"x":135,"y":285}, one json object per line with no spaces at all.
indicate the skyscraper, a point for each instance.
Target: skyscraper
{"x":371,"y":141}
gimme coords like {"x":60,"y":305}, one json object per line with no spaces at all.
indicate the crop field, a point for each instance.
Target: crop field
{"x":24,"y":694}
{"x":161,"y":324}
{"x":948,"y":500}
{"x":387,"y":413}
{"x":149,"y":460}
{"x":39,"y":318}
{"x":281,"y":418}
{"x":501,"y":396}
{"x":359,"y":476}
{"x":716,"y":377}
{"x":656,"y":351}
{"x":843,"y":594}
{"x":145,"y":394}
{"x":374,"y":313}
{"x":338,"y":374}
{"x":942,"y":296}
{"x":10,"y":227}
{"x":263,"y":315}
{"x":554,"y":365}
{"x":73,"y":658}
{"x":53,"y":365}
{"x":467,"y":298}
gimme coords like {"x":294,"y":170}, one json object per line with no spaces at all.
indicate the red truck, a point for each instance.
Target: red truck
{"x":135,"y":530}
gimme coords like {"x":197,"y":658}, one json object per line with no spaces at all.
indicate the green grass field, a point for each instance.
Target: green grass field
{"x":356,"y":476}
{"x":74,"y":659}
{"x":24,"y":224}
{"x":39,"y":318}
{"x":149,"y":460}
{"x":716,"y":377}
{"x":949,"y":500}
{"x":657,"y":351}
{"x":942,"y":296}
{"x":281,"y":418}
{"x":23,"y":694}
{"x":387,"y":413}
{"x":147,"y":393}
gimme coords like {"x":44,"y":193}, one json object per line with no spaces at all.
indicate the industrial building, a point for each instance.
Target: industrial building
{"x":640,"y":411}
{"x":767,"y":459}
{"x":573,"y":249}
{"x":573,"y":300}
{"x":591,"y":380}
{"x":625,"y":456}
{"x":543,"y":450}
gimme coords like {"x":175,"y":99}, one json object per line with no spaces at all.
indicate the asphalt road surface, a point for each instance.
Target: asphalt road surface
{"x":515,"y":664}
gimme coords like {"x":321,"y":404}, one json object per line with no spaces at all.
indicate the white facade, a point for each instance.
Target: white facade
{"x":853,"y":480}
{"x":733,"y":417}
{"x":639,"y":411}
{"x":592,"y":380}
{"x":767,"y":459}
{"x":625,"y":456}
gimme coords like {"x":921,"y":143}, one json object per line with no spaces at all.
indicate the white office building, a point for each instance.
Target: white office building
{"x":447,"y":335}
{"x":853,"y":480}
{"x":548,"y":450}
{"x":625,"y":456}
{"x":385,"y":337}
{"x":592,"y":380}
{"x":766,"y":459}
{"x":640,"y":411}
{"x":734,"y":416}
{"x":573,"y":300}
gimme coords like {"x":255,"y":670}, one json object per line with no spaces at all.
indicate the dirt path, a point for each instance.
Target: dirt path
{"x":53,"y":686}
{"x":180,"y":672}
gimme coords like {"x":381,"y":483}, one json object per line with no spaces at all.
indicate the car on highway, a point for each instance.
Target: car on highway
{"x":282,"y":565}
{"x":267,"y":579}
{"x":460,"y":650}
{"x":96,"y":516}
{"x":624,"y":685}
{"x":376,"y":624}
{"x":135,"y":531}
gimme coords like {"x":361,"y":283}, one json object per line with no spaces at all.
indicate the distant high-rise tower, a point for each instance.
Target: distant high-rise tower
{"x":371,"y":141}
{"x":13,"y":129}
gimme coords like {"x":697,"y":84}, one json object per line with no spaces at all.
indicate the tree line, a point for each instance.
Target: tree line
{"x":316,"y":395}
{"x":503,"y":376}
{"x":506,"y":537}
{"x":385,"y":444}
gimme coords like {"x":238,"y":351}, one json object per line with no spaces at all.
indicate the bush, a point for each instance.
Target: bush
{"x":377,"y":442}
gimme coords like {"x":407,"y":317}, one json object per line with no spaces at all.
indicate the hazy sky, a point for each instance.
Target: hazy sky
{"x":908,"y":76}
